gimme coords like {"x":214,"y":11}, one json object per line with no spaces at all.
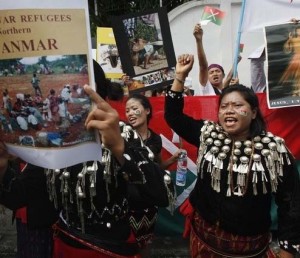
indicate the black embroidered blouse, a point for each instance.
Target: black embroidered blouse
{"x":92,"y":198}
{"x":236,"y":180}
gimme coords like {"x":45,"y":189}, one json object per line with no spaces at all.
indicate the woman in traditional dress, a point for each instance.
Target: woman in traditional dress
{"x":240,"y":167}
{"x":92,"y":197}
{"x":139,"y":113}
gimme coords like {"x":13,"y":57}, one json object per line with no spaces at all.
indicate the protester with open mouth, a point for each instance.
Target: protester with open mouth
{"x":241,"y":166}
{"x":211,"y":76}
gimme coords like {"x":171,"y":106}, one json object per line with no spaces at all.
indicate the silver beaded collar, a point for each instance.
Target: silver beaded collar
{"x":250,"y":162}
{"x":110,"y":171}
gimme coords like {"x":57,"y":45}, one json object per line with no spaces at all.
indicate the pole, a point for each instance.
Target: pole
{"x":238,"y":40}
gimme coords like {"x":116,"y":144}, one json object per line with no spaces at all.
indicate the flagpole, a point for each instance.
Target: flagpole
{"x":238,"y":40}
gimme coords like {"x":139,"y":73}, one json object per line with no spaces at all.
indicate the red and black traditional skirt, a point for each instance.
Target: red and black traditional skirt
{"x":64,"y":246}
{"x":142,"y":223}
{"x":209,"y":241}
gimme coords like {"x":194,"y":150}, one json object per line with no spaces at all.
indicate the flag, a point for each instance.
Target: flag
{"x":241,"y":48}
{"x":260,"y":13}
{"x":213,"y":15}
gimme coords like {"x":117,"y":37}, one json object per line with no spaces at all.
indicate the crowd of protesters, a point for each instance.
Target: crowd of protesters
{"x":240,"y":166}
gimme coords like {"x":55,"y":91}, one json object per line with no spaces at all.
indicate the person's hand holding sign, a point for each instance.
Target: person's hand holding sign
{"x":106,"y":120}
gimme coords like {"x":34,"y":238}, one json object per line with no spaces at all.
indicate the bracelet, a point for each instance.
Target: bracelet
{"x":179,"y":80}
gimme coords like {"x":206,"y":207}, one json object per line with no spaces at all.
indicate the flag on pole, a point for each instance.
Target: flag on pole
{"x":259,"y":14}
{"x":211,"y":14}
{"x":241,"y":48}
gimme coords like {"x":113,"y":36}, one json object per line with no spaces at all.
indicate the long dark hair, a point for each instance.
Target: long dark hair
{"x":144,"y":102}
{"x":258,"y":125}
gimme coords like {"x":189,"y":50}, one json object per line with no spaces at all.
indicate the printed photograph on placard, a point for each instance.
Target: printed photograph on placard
{"x":145,"y":43}
{"x":44,"y":65}
{"x":157,"y":80}
{"x":282,"y":53}
{"x":44,"y":104}
{"x":107,"y":53}
{"x":149,"y":46}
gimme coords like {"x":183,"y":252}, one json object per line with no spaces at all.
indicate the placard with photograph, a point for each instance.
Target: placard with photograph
{"x":107,"y":53}
{"x":145,"y":47}
{"x":45,"y":61}
{"x":282,"y":55}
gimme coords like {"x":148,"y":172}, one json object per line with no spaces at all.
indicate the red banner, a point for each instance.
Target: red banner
{"x":282,"y":122}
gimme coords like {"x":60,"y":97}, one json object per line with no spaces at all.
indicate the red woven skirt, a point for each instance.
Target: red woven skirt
{"x":209,"y":241}
{"x":62,"y":250}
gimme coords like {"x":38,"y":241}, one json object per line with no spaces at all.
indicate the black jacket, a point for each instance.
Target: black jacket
{"x":99,"y":215}
{"x":247,"y":214}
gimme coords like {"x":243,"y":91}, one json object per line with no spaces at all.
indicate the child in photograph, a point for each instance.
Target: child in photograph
{"x":47,"y":116}
{"x":35,"y":82}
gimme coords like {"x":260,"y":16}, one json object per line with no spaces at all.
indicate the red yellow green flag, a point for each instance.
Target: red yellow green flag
{"x":241,"y":48}
{"x":212,"y":14}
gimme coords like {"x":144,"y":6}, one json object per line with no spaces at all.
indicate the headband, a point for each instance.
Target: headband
{"x":216,"y":66}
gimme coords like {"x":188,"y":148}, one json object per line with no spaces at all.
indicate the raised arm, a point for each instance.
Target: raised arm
{"x":183,"y":67}
{"x":184,"y":125}
{"x":203,"y":65}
